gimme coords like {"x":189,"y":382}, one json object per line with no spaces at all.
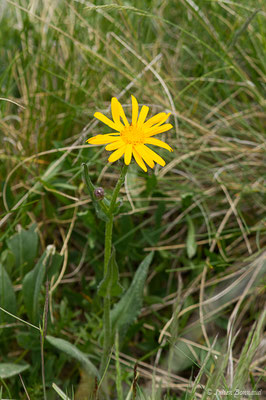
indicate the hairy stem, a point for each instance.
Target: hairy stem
{"x":107,"y":254}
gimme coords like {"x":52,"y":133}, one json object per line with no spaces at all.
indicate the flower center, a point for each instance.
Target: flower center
{"x":132,"y":135}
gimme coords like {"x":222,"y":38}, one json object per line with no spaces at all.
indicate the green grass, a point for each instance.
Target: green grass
{"x":199,"y":331}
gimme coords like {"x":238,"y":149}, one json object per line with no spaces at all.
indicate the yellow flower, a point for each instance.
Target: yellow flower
{"x":132,"y":138}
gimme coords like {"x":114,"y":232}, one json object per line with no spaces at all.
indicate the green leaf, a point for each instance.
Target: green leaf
{"x":64,"y":185}
{"x":128,"y":308}
{"x":117,"y":207}
{"x":101,"y":206}
{"x":186,"y":200}
{"x":153,"y":300}
{"x":191,"y":239}
{"x":53,"y":170}
{"x":60,"y":392}
{"x":7,"y":259}
{"x":9,"y":195}
{"x":7,"y":296}
{"x":99,"y":212}
{"x":74,"y":352}
{"x":151,"y":183}
{"x":29,"y":340}
{"x":110,"y":286}
{"x":7,"y":370}
{"x":24,"y":246}
{"x":54,"y":265}
{"x":32,"y":283}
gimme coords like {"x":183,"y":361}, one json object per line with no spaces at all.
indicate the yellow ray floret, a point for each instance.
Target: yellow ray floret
{"x":131,"y":139}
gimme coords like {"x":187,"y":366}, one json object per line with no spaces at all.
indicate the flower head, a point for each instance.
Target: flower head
{"x":99,"y":193}
{"x":132,"y":138}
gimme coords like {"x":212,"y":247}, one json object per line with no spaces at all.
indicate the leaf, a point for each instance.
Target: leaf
{"x":186,"y":200}
{"x":7,"y":259}
{"x":151,"y":183}
{"x":191,"y":239}
{"x":53,"y":170}
{"x":153,"y":300}
{"x":99,"y":205}
{"x":110,"y":286}
{"x":117,"y":207}
{"x":32,"y":283}
{"x":128,"y":308}
{"x":54,"y":265}
{"x":9,"y":195}
{"x":29,"y":340}
{"x":64,"y":185}
{"x":7,"y":370}
{"x":60,"y":392}
{"x":31,"y":287}
{"x":24,"y":246}
{"x":7,"y":296}
{"x":74,"y":352}
{"x":159,"y":214}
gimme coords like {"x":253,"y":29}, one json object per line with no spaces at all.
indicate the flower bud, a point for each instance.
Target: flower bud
{"x":99,"y":193}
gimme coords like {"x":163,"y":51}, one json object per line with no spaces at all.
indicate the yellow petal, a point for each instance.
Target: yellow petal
{"x":160,"y":129}
{"x":128,"y":154}
{"x":135,"y":110}
{"x":154,"y":156}
{"x":121,"y":112}
{"x":141,"y":149}
{"x":139,"y":160}
{"x":106,"y":121}
{"x":103,"y":139}
{"x":158,"y":119}
{"x":115,"y":108}
{"x":157,"y":142}
{"x":115,"y":145}
{"x":142,"y":115}
{"x":117,"y":154}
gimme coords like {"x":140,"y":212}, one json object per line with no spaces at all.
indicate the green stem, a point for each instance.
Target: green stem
{"x":108,"y":242}
{"x":120,"y":182}
{"x":118,"y":379}
{"x":107,"y":334}
{"x":42,"y":364}
{"x":107,"y":255}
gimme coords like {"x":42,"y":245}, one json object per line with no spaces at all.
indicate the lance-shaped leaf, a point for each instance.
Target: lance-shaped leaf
{"x":72,"y":351}
{"x":60,"y":392}
{"x":110,"y":285}
{"x":24,"y":246}
{"x":7,"y":370}
{"x":32,"y":283}
{"x":101,"y":206}
{"x":7,"y":296}
{"x":7,"y":259}
{"x":128,"y":308}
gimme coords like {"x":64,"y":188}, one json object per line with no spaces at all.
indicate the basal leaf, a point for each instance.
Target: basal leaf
{"x":24,"y":246}
{"x":7,"y":296}
{"x":74,"y":352}
{"x":7,"y":370}
{"x":7,"y":259}
{"x":32,"y":283}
